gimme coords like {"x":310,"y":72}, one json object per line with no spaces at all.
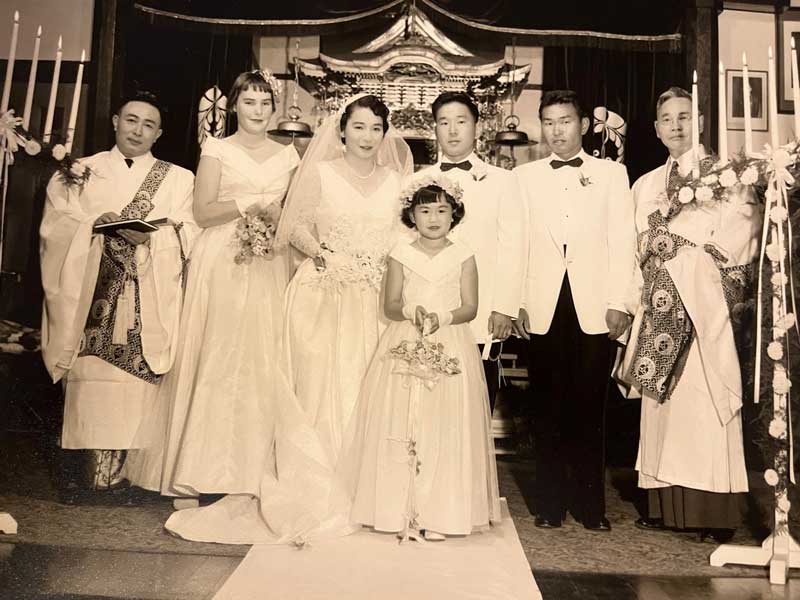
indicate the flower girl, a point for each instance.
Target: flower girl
{"x":421,"y":459}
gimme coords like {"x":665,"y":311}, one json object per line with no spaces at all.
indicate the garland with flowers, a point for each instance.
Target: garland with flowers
{"x":432,"y":178}
{"x":50,"y":156}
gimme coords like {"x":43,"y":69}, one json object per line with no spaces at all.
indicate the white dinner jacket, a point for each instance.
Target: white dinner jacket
{"x":600,"y":254}
{"x":493,"y":229}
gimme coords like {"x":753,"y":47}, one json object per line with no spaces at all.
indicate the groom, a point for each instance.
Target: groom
{"x":492,"y":226}
{"x":580,"y":263}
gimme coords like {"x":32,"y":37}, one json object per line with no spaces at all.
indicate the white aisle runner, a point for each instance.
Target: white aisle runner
{"x":368,"y":565}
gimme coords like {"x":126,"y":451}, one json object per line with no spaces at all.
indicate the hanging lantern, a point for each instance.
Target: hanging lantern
{"x":510,"y":136}
{"x":293,"y":127}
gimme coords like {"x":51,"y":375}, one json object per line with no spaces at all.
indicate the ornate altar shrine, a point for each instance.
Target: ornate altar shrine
{"x":408,"y":65}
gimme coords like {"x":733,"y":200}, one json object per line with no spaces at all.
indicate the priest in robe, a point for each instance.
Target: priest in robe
{"x":113,"y":301}
{"x":694,"y":277}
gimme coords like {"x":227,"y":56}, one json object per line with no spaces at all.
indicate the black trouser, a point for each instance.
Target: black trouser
{"x":491,"y":368}
{"x":569,"y":372}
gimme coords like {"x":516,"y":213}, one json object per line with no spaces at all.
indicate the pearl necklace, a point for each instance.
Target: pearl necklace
{"x":368,"y":175}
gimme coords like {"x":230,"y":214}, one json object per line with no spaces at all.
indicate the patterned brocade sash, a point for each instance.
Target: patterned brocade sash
{"x":117,"y":291}
{"x":666,"y":330}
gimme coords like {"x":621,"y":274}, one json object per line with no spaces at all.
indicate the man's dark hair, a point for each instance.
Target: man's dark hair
{"x":561,"y":97}
{"x":459,"y":98}
{"x":142,"y":96}
{"x":672,"y":92}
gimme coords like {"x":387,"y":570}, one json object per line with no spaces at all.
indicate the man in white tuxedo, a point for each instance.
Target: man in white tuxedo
{"x":492,"y":226}
{"x":580,"y":261}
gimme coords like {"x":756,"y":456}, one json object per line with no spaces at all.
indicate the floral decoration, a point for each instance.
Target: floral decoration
{"x":430,"y":177}
{"x":13,"y":137}
{"x":425,"y":360}
{"x":254,"y":235}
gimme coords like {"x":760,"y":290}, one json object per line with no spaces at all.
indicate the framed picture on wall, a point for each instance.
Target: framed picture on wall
{"x":758,"y":99}
{"x":787,"y":26}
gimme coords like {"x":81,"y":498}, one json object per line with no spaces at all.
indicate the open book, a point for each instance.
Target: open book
{"x":134,"y":224}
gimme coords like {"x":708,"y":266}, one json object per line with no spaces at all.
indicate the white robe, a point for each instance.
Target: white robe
{"x":104,"y":405}
{"x":694,"y":439}
{"x":493,"y":229}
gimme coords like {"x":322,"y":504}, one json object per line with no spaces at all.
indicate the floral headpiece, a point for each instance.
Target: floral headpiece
{"x":434,"y":178}
{"x":273,"y":83}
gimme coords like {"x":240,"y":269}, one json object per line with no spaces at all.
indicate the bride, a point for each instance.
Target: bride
{"x":343,"y":214}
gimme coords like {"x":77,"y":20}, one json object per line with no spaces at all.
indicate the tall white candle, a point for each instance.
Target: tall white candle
{"x":722,"y":109}
{"x":12,"y":54}
{"x":795,"y":92}
{"x":76,"y":99}
{"x":695,"y":128}
{"x":772,"y":101}
{"x":51,"y":105}
{"x":26,"y":115}
{"x":748,"y":122}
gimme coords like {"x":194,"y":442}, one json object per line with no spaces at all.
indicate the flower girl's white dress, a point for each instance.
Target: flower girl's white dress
{"x":455,"y":489}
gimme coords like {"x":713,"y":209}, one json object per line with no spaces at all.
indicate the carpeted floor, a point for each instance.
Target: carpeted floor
{"x":110,"y":523}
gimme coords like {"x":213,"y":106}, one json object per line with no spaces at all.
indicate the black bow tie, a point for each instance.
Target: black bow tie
{"x":129,"y":162}
{"x":575,"y":162}
{"x":464,"y":165}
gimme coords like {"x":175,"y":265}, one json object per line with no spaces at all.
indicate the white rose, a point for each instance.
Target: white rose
{"x":778,"y":332}
{"x":777,"y":428}
{"x":686,"y":195}
{"x":774,"y":252}
{"x":784,"y":504}
{"x":709,"y":179}
{"x":780,"y":383}
{"x":778,"y":214}
{"x":704,"y":194}
{"x":78,"y":169}
{"x":771,"y":477}
{"x":728,"y":178}
{"x":775,"y":350}
{"x":779,"y":279}
{"x":59,"y":152}
{"x":749,"y":176}
{"x":32,"y":147}
{"x":787,"y":321}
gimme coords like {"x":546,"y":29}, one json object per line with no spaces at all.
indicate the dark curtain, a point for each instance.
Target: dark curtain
{"x":627,"y":83}
{"x":179,"y":66}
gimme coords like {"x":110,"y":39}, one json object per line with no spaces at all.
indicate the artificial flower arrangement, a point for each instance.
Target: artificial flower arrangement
{"x":13,"y":137}
{"x":255,"y":236}
{"x":424,"y":359}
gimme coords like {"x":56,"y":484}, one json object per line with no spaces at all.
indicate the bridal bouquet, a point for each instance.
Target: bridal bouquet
{"x":425,"y":360}
{"x":254,"y":235}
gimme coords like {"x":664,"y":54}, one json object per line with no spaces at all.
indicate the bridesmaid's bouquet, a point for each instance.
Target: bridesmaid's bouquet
{"x":425,"y":360}
{"x":255,"y":235}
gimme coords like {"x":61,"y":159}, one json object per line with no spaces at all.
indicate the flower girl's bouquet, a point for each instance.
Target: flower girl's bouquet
{"x":254,"y":235}
{"x":424,"y":359}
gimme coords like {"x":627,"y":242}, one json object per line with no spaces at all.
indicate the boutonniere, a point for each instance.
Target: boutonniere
{"x":478,"y":172}
{"x":585,"y":181}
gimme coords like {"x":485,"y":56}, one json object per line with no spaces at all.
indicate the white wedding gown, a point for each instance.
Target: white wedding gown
{"x":334,"y":319}
{"x":213,"y":433}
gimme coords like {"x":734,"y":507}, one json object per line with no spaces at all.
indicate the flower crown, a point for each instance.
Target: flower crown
{"x":435,"y":178}
{"x":273,"y":83}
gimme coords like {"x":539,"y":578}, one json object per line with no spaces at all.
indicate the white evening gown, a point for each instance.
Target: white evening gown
{"x":215,"y":427}
{"x":455,"y":490}
{"x":334,"y":320}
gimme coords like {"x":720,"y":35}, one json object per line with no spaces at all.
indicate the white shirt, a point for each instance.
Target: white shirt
{"x":568,"y":182}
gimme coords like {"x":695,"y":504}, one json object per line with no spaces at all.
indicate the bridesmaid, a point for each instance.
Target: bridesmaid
{"x":217,"y":422}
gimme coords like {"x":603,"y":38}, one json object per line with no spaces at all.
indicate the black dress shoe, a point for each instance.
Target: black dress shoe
{"x":716,"y":536}
{"x":647,"y":524}
{"x":545,"y":523}
{"x":601,"y":524}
